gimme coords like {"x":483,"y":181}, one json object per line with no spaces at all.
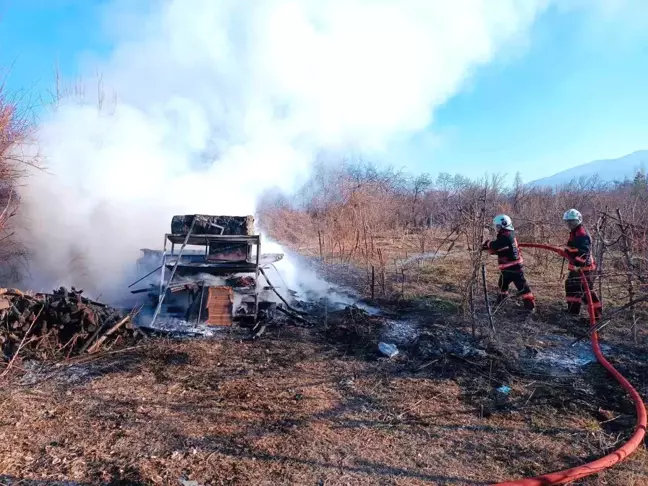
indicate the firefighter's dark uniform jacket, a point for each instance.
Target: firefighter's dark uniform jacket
{"x":509,"y":259}
{"x":507,"y":250}
{"x":579,"y":250}
{"x":581,"y":260}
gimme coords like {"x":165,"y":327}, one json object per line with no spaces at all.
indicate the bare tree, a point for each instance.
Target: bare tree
{"x":16,"y":157}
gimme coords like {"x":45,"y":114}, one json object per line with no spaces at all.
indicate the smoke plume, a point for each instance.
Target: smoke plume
{"x":217,"y":101}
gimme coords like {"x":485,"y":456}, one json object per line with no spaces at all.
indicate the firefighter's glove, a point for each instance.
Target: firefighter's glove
{"x":485,"y":245}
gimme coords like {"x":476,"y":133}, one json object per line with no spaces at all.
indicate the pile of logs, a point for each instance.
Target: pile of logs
{"x":59,"y":325}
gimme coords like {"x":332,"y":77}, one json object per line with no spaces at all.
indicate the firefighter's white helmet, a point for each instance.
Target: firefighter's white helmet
{"x":572,"y":218}
{"x":502,"y":221}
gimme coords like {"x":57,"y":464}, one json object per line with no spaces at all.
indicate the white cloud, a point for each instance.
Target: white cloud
{"x":219,"y":100}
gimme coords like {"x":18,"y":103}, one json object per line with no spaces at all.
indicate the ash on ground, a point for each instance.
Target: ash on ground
{"x":555,"y":354}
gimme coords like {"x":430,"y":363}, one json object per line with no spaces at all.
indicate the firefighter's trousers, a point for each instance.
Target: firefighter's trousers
{"x":515,"y":276}
{"x":575,"y":294}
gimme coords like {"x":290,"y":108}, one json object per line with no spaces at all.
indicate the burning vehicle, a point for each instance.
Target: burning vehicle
{"x":211,"y":273}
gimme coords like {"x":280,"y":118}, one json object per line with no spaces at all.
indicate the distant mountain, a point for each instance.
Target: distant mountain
{"x":610,"y":170}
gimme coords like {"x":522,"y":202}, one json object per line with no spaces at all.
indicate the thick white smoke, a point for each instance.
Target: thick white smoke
{"x":219,"y":100}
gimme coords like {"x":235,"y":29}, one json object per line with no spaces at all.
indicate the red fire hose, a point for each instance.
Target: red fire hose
{"x":569,"y":475}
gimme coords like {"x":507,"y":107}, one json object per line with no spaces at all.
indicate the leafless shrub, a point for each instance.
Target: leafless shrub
{"x":362,"y":214}
{"x":16,"y":125}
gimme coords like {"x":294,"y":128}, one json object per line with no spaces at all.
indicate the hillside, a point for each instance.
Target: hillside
{"x":608,"y":170}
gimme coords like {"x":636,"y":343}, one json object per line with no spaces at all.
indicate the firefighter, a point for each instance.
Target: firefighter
{"x":509,"y":258}
{"x":581,"y":260}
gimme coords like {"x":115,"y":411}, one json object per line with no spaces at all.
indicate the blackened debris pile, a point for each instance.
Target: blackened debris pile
{"x":212,"y":225}
{"x":59,"y":325}
{"x":354,"y":328}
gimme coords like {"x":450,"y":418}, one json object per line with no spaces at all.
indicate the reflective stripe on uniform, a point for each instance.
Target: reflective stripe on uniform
{"x":571,"y":266}
{"x":519,"y":261}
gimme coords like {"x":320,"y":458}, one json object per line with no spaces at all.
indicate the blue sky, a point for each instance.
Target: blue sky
{"x":576,"y":93}
{"x":38,"y":35}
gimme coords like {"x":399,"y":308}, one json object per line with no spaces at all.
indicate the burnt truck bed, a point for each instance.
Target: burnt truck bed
{"x":230,"y":252}
{"x":196,"y":260}
{"x":216,"y":269}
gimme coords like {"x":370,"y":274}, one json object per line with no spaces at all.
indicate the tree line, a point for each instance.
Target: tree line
{"x":346,"y":210}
